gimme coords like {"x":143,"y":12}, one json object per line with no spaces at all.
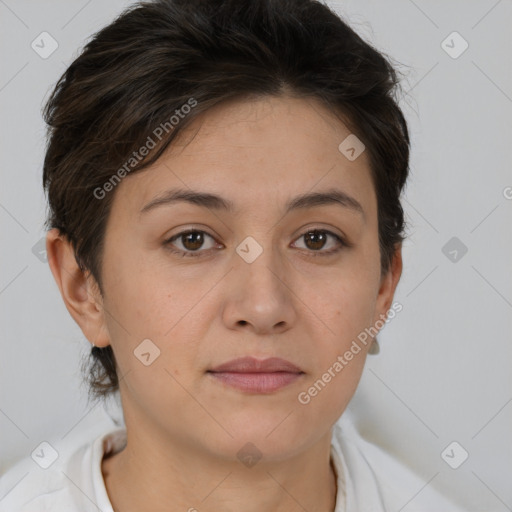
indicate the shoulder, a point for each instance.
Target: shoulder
{"x":375,"y":481}
{"x":58,"y":477}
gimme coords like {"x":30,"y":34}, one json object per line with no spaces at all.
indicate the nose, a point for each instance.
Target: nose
{"x":259,"y":295}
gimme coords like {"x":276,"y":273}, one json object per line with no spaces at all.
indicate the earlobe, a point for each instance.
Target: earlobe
{"x":80,"y":292}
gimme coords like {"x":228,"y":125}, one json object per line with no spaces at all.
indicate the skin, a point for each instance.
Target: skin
{"x":185,"y":428}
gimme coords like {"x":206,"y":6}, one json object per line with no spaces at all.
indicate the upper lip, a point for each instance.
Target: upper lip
{"x":253,"y":365}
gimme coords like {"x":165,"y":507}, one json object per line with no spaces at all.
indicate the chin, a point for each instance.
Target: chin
{"x":276,"y":435}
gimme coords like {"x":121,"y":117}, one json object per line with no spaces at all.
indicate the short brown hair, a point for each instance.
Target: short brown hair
{"x":154,"y":57}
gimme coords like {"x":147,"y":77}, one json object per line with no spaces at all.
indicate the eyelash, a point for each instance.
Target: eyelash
{"x":198,"y":254}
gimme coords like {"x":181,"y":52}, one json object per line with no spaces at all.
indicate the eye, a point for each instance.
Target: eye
{"x":316,"y":239}
{"x":191,"y":241}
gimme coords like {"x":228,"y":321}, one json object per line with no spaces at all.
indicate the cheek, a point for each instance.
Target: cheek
{"x":147,"y":300}
{"x":343,"y":295}
{"x":346,"y":304}
{"x":145,"y":294}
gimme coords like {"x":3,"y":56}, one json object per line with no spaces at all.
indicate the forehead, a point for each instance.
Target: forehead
{"x":257,"y":154}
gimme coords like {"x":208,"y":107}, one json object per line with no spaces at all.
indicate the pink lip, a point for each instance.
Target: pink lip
{"x":252,"y":375}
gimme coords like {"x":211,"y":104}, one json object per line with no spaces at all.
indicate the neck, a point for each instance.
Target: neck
{"x":155,"y":473}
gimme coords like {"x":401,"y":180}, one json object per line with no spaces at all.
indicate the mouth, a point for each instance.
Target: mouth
{"x":257,"y":376}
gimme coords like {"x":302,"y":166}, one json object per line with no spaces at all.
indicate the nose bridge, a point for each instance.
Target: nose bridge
{"x":260,"y":262}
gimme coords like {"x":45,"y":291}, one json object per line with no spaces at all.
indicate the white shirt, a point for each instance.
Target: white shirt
{"x":369,"y":479}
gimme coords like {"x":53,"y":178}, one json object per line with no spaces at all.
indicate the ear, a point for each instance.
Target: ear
{"x":388,"y":286}
{"x":81,"y":293}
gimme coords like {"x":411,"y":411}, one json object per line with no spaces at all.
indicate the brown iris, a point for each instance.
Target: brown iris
{"x":315,"y":238}
{"x":193,"y":240}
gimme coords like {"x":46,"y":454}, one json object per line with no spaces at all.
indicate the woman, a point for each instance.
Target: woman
{"x":224,"y":185}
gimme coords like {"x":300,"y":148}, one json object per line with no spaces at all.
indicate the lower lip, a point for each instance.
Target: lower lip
{"x":257,"y":382}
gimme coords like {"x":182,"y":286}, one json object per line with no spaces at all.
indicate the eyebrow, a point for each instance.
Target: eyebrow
{"x":215,"y":202}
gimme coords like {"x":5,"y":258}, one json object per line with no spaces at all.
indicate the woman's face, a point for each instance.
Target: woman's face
{"x":255,"y":282}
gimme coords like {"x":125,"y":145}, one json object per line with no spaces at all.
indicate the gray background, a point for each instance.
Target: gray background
{"x":443,"y":373}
